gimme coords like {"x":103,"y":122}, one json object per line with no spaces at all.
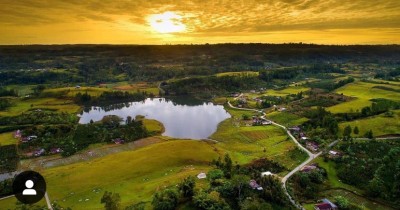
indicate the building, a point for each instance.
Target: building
{"x":201,"y":176}
{"x":266,"y":122}
{"x":253,"y":184}
{"x":312,"y":146}
{"x":118,"y":141}
{"x":39,"y":152}
{"x":295,"y":129}
{"x":267,"y":173}
{"x":325,"y":205}
{"x":17,"y":134}
{"x":308,"y":168}
{"x":55,"y":150}
{"x":334,"y":154}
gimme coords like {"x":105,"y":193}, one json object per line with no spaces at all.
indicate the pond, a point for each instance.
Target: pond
{"x":181,"y":118}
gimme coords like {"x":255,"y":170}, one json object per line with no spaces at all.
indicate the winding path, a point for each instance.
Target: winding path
{"x":311,"y":156}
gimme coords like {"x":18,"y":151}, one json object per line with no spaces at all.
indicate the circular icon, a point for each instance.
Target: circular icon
{"x":29,"y":187}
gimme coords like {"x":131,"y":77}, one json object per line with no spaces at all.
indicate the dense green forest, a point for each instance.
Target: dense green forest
{"x":100,"y":63}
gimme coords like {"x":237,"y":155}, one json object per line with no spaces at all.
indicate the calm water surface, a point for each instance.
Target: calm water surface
{"x":181,"y":119}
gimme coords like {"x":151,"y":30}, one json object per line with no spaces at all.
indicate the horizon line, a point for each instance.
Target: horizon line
{"x":200,"y":44}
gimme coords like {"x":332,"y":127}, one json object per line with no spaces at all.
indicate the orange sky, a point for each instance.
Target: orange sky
{"x":199,"y":21}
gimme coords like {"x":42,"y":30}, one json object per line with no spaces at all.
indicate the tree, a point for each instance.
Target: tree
{"x":356,"y":131}
{"x":204,"y":200}
{"x":239,"y":181}
{"x":128,"y":120}
{"x":187,"y":186}
{"x":341,"y":202}
{"x":369,"y":134}
{"x":37,"y":90}
{"x":111,"y":121}
{"x":166,"y":199}
{"x":214,"y":175}
{"x":245,"y":117}
{"x":227,"y":166}
{"x":111,"y":200}
{"x":347,"y":132}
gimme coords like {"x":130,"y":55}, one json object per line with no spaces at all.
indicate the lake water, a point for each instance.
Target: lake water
{"x":181,"y":118}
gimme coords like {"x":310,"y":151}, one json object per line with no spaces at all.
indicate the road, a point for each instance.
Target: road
{"x":311,"y":156}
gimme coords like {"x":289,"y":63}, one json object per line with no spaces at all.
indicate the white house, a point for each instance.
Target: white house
{"x":201,"y":176}
{"x":267,"y":173}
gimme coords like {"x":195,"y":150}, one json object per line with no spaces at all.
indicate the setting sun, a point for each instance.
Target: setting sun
{"x":167,"y":22}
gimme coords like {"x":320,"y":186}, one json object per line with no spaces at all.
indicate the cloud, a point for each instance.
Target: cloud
{"x":206,"y":17}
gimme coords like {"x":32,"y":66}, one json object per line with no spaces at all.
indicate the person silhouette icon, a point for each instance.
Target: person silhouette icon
{"x":29,"y":184}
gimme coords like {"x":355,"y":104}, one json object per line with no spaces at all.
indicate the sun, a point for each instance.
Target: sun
{"x":167,"y":22}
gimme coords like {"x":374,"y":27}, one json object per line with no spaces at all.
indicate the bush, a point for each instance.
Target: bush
{"x":166,"y":199}
{"x":212,"y":200}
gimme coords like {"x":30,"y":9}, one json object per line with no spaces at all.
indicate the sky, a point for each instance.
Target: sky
{"x":199,"y":21}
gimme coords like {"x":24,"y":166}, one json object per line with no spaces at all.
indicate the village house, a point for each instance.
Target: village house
{"x":282,"y":109}
{"x":266,"y":122}
{"x":55,"y":150}
{"x":295,"y":129}
{"x":28,"y":138}
{"x":253,"y":184}
{"x":202,"y":175}
{"x":304,"y":138}
{"x":266,"y":173}
{"x":325,"y":205}
{"x":242,"y":100}
{"x":39,"y":152}
{"x":17,"y":134}
{"x":334,"y":154}
{"x":118,"y":141}
{"x":312,"y":146}
{"x":308,"y":168}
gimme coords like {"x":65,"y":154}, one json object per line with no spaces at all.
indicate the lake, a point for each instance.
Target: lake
{"x":181,"y":118}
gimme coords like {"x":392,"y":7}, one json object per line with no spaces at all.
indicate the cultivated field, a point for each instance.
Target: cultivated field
{"x":286,"y":119}
{"x":7,"y":139}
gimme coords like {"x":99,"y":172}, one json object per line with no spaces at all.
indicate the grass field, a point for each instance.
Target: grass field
{"x":23,"y":105}
{"x":285,"y":118}
{"x":287,"y":91}
{"x":142,"y":86}
{"x":333,"y":180}
{"x":241,"y":73}
{"x":363,"y":93}
{"x":136,"y":174}
{"x":246,"y":143}
{"x":72,"y":91}
{"x":7,"y":139}
{"x":153,"y":126}
{"x":380,"y":125}
{"x":22,"y":89}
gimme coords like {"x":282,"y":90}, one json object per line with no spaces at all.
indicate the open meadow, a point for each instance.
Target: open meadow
{"x":363,"y":92}
{"x":135,"y":174}
{"x":380,"y":125}
{"x":246,"y":143}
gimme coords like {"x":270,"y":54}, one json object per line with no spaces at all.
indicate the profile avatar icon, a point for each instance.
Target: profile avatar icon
{"x":29,"y":187}
{"x":29,"y":191}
